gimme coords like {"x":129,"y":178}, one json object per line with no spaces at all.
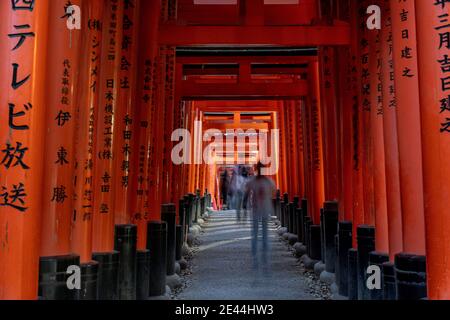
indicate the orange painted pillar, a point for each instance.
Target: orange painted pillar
{"x":306,"y":120}
{"x":184,"y":117}
{"x":285,"y":141}
{"x":288,"y":147}
{"x":298,"y":145}
{"x":344,"y":119}
{"x":124,"y":126}
{"x":22,"y":99}
{"x":346,"y":141}
{"x":274,"y":123}
{"x":86,"y":106}
{"x":61,"y":92}
{"x":377,"y":135}
{"x":365,"y":105}
{"x":169,"y":110}
{"x":191,"y":167}
{"x":144,"y":109}
{"x":343,"y":102}
{"x":408,"y":124}
{"x":283,"y":149}
{"x":433,"y":49}
{"x":357,"y":122}
{"x":103,"y":217}
{"x":176,"y":175}
{"x":294,"y":148}
{"x":393,"y":200}
{"x":318,"y":191}
{"x":157,"y":142}
{"x":327,"y":65}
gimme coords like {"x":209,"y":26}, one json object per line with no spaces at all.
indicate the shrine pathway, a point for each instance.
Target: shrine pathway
{"x":223,"y":265}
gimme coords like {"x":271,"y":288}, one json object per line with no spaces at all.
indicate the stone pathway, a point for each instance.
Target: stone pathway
{"x":222,"y":265}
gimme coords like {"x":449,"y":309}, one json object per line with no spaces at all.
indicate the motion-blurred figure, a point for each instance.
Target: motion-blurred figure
{"x":224,"y":188}
{"x":237,"y":189}
{"x":259,"y":191}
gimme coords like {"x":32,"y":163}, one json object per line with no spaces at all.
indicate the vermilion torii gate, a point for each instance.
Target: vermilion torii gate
{"x":88,"y":117}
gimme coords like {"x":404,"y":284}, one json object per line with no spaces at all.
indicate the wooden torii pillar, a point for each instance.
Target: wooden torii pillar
{"x":408,"y":125}
{"x":377,"y":136}
{"x":87,"y":104}
{"x":412,"y":261}
{"x":61,"y":93}
{"x":274,"y":120}
{"x":143,"y":125}
{"x":327,"y":65}
{"x":298,"y":148}
{"x":103,"y":215}
{"x":23,"y":123}
{"x":346,"y":122}
{"x":434,"y":66}
{"x":393,"y":201}
{"x":358,"y":213}
{"x":283,"y":159}
{"x":288,"y":148}
{"x":365,"y":55}
{"x":125,"y":128}
{"x":316,"y":138}
{"x":170,"y":104}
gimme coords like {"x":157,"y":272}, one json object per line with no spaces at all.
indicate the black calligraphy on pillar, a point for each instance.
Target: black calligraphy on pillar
{"x":14,"y":152}
{"x":443,"y":30}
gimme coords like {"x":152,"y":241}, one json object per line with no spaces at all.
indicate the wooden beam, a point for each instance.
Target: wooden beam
{"x":191,"y":90}
{"x":255,"y":35}
{"x":281,"y":60}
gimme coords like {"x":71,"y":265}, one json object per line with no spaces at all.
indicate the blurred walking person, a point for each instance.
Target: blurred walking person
{"x":224,"y":188}
{"x":260,"y":190}
{"x":237,"y":188}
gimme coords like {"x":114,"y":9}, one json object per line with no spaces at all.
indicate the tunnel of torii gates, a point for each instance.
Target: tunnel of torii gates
{"x":88,"y":114}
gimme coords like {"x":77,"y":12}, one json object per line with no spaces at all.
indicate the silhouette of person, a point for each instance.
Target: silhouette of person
{"x":237,"y":188}
{"x":224,"y":188}
{"x":260,"y":191}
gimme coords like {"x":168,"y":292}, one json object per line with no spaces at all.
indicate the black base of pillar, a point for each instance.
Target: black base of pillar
{"x":322,"y":232}
{"x":125,"y":241}
{"x":352,"y":274}
{"x":330,"y":221}
{"x":299,"y":218}
{"x":377,"y":259}
{"x":308,"y":224}
{"x":108,"y":274}
{"x":190,"y":210}
{"x":202,"y":206}
{"x":179,"y":242}
{"x":157,"y":244}
{"x":366,"y":244}
{"x":410,"y":274}
{"x":389,"y":286}
{"x":89,"y":281}
{"x":169,"y":215}
{"x":143,"y":274}
{"x":291,"y":226}
{"x":344,"y":245}
{"x":182,"y":215}
{"x":315,"y":242}
{"x":284,"y":216}
{"x":53,"y":277}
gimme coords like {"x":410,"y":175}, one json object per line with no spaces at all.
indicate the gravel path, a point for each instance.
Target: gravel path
{"x":222,"y":266}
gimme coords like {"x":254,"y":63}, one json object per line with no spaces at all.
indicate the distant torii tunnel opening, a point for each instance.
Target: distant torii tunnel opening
{"x":121,"y":118}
